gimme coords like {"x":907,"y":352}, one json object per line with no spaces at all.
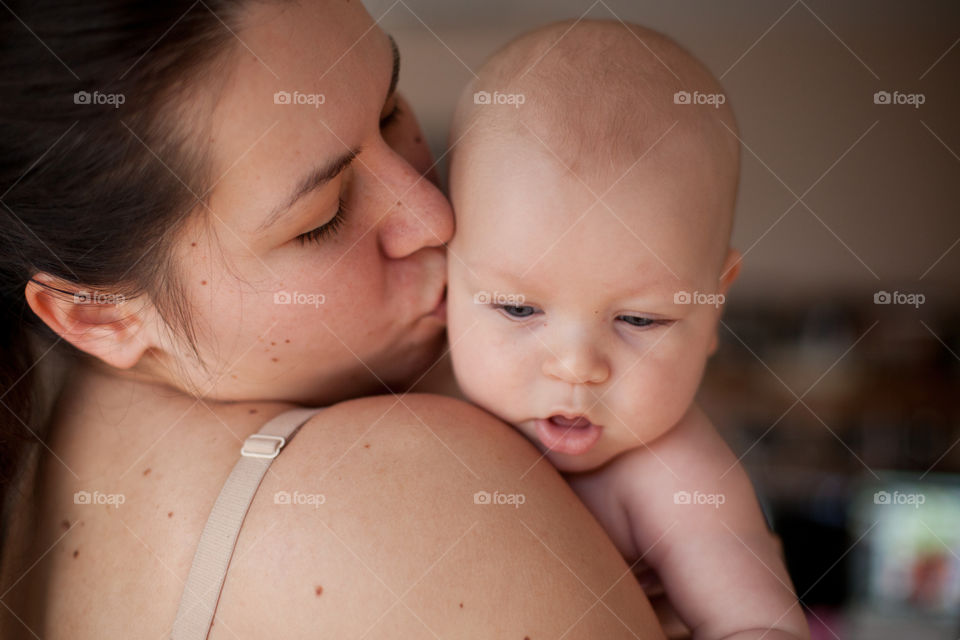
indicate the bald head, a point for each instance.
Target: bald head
{"x":598,"y":97}
{"x":599,"y":88}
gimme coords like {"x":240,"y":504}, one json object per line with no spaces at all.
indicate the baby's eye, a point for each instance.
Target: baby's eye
{"x":637,"y":321}
{"x":517,"y":311}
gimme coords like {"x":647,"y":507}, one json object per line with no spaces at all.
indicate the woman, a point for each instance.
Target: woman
{"x":216,"y":212}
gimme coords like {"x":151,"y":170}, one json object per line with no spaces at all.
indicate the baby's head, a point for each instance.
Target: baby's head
{"x":594,"y":201}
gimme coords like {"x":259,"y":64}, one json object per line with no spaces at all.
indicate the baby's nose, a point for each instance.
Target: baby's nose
{"x":577,"y":366}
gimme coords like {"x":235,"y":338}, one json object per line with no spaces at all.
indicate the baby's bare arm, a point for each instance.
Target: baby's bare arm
{"x":693,"y":516}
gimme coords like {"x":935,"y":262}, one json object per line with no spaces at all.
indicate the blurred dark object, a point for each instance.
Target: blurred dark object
{"x":834,"y":407}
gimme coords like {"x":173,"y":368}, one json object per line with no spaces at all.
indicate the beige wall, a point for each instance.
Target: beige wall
{"x":887,"y":210}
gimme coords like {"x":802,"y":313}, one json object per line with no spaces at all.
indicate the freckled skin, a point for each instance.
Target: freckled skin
{"x":146,"y":471}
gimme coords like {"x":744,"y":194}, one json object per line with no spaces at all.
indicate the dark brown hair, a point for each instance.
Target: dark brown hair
{"x":101,"y":104}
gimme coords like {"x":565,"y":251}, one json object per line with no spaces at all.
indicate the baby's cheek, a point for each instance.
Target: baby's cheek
{"x":658,"y":392}
{"x":485,"y":367}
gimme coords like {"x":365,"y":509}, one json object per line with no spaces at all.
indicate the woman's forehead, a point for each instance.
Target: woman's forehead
{"x":308,"y":86}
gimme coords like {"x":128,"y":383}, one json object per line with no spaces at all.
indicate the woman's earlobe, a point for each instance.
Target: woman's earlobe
{"x":99,"y":324}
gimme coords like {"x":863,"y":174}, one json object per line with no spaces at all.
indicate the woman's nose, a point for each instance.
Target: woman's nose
{"x":417,"y":214}
{"x":577,"y":364}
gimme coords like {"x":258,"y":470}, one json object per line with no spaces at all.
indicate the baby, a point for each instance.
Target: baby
{"x":593,"y":179}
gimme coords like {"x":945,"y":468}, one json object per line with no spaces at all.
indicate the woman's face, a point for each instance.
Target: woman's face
{"x":318,"y":269}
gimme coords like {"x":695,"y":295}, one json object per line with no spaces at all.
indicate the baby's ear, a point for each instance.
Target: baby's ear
{"x":729,"y":273}
{"x":731,"y":269}
{"x":97,"y":323}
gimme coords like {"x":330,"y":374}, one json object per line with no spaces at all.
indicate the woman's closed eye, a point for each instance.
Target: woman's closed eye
{"x":327,"y":229}
{"x":332,"y":226}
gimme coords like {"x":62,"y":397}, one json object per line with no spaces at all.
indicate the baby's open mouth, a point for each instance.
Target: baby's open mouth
{"x":573,"y":435}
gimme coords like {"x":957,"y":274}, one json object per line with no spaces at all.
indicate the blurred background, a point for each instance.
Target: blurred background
{"x":838,"y":376}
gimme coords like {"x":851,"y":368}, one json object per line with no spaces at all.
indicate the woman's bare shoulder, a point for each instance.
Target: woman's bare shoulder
{"x":406,"y":515}
{"x":393,"y":514}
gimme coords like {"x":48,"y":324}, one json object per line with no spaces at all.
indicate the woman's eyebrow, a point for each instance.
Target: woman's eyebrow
{"x":320,"y":176}
{"x":310,"y":183}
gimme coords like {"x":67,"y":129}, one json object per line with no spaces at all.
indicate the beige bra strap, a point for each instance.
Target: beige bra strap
{"x":202,"y":589}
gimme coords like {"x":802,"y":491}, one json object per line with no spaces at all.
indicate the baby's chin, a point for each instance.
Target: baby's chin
{"x":590,"y":461}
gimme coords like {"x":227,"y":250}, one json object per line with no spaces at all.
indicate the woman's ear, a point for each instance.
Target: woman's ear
{"x":729,"y":273}
{"x":97,"y":323}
